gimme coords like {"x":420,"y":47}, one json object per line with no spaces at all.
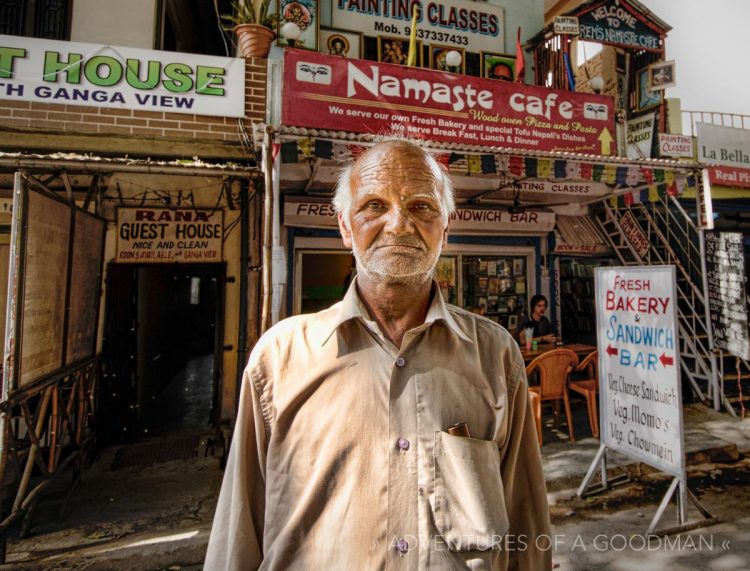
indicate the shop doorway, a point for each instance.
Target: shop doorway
{"x":322,"y":279}
{"x":162,"y":350}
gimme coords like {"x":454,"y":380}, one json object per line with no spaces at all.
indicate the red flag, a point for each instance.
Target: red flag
{"x":520,"y":64}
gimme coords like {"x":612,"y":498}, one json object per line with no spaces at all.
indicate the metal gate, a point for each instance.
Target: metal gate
{"x":50,"y":365}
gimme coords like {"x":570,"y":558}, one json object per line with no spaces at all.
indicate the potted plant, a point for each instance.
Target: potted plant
{"x":253,"y":25}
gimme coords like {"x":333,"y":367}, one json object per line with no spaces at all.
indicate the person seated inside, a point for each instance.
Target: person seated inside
{"x":544,"y":332}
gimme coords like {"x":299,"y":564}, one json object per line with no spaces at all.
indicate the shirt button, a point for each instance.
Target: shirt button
{"x":400,"y":362}
{"x":403,"y":443}
{"x":402,"y":546}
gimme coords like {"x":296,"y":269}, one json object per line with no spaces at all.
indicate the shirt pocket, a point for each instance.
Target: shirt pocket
{"x":467,"y":502}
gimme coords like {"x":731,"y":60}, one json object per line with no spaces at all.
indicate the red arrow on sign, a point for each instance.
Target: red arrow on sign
{"x":611,"y":350}
{"x":666,"y":360}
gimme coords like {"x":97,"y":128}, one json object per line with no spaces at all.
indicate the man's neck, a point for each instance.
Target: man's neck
{"x":396,"y":308}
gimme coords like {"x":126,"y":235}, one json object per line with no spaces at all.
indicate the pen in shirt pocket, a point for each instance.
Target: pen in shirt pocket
{"x":459,"y":429}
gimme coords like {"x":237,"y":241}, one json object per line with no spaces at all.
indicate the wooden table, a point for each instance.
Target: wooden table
{"x":578,"y":348}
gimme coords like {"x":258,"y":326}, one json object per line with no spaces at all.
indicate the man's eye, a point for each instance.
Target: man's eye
{"x":421,"y":206}
{"x":373,"y":204}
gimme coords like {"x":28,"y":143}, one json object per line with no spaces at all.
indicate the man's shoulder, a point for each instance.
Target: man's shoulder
{"x":483,"y":327}
{"x":304,"y":326}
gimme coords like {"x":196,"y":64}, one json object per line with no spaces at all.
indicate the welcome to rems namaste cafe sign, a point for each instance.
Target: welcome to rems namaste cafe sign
{"x":169,"y":235}
{"x":127,"y":78}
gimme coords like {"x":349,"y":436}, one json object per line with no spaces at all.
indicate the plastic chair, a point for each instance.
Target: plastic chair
{"x":554,"y":369}
{"x":588,"y":387}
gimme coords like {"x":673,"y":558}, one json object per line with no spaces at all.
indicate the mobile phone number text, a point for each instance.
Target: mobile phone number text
{"x":433,"y":36}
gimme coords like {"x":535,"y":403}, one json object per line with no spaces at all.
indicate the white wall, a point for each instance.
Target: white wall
{"x":129,"y":23}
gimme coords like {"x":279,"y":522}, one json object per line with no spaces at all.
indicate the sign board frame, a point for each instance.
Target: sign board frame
{"x":465,"y":221}
{"x":329,"y":92}
{"x":93,"y":75}
{"x":28,"y":248}
{"x":725,"y":278}
{"x":566,"y":25}
{"x":161,"y":241}
{"x":474,"y":26}
{"x":636,"y":315}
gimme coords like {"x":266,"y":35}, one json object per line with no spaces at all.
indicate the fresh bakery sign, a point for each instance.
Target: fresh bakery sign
{"x":105,"y":76}
{"x":314,"y":214}
{"x":472,"y":25}
{"x":331,"y":92}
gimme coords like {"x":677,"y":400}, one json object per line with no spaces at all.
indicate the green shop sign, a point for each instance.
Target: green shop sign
{"x":106,"y":76}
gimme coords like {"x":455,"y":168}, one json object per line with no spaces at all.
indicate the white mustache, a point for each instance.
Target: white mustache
{"x":411,"y":241}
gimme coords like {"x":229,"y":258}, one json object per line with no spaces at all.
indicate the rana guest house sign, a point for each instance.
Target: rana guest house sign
{"x":169,"y":235}
{"x":129,"y":78}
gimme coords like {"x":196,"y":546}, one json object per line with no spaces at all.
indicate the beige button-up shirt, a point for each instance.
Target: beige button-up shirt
{"x":341,"y":459}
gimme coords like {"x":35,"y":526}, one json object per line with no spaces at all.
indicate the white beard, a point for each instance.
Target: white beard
{"x":397,"y":269}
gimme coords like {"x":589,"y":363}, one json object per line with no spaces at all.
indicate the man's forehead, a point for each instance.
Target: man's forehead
{"x":394,"y":164}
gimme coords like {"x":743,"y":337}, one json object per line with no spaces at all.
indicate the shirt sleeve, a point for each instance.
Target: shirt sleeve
{"x":523,"y":480}
{"x":236,"y":540}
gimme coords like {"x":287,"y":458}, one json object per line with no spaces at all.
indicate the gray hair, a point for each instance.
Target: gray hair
{"x":342,"y":197}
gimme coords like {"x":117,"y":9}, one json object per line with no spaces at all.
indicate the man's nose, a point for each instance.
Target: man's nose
{"x":399,"y":221}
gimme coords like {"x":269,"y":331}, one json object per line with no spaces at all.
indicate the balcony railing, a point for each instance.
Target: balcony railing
{"x":690,"y":118}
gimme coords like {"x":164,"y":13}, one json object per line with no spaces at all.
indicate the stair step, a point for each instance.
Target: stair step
{"x":733,"y":377}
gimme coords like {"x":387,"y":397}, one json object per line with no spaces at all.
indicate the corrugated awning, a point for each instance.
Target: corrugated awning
{"x":579,"y":236}
{"x":76,"y":163}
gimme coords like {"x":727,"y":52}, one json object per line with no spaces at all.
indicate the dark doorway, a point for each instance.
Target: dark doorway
{"x":162,"y":350}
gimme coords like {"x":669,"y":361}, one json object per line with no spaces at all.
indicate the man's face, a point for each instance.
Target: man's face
{"x":539,"y":309}
{"x":395,"y":227}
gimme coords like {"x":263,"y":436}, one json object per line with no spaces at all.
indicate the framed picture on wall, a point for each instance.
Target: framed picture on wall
{"x":304,"y":13}
{"x":396,"y":50}
{"x":646,"y":97}
{"x":512,"y":323}
{"x":437,"y":58}
{"x":661,"y":75}
{"x":498,"y":66}
{"x":340,"y":43}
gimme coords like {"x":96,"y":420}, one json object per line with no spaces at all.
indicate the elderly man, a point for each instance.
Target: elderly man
{"x":342,"y":456}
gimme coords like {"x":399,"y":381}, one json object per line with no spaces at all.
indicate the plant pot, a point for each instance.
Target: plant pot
{"x":254,"y":40}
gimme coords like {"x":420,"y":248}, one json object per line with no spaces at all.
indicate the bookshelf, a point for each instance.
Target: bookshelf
{"x":499,"y":284}
{"x":577,"y":299}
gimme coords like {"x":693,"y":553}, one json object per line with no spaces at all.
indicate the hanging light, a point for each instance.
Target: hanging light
{"x":596,"y":83}
{"x":453,"y":60}
{"x":291,"y":33}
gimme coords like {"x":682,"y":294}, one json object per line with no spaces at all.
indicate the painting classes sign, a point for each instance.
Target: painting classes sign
{"x":329,"y":92}
{"x":475,"y":26}
{"x":639,"y":381}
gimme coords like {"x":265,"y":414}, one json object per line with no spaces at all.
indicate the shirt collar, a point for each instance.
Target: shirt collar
{"x":352,"y":307}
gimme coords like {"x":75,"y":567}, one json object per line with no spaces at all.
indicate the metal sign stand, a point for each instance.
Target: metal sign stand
{"x":638,"y":397}
{"x":684,"y":495}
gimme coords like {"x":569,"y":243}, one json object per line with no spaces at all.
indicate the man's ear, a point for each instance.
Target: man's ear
{"x":445,"y":236}
{"x":346,"y":234}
